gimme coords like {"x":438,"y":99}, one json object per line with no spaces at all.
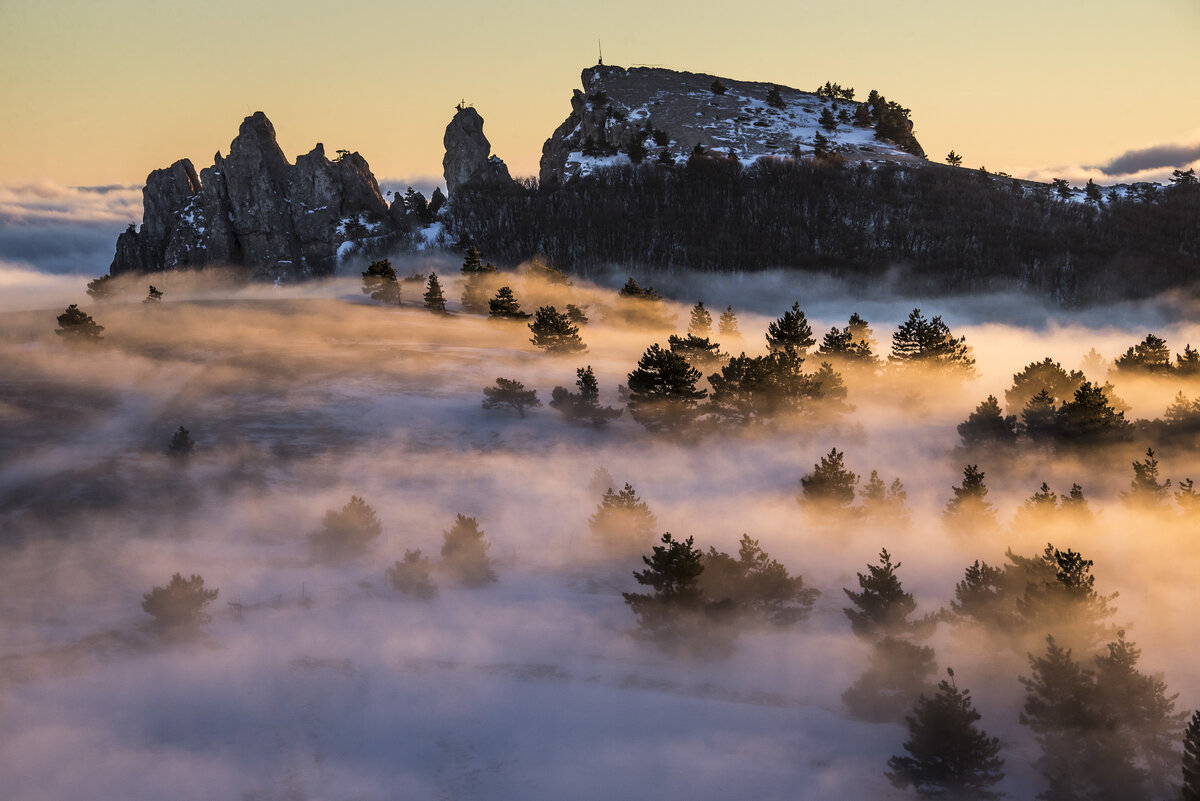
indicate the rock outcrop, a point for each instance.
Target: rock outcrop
{"x":660,"y":116}
{"x":252,"y":208}
{"x":469,"y":156}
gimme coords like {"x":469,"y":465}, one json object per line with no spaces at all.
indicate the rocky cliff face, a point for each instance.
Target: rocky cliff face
{"x":253,"y":208}
{"x":468,"y":156}
{"x":659,"y":115}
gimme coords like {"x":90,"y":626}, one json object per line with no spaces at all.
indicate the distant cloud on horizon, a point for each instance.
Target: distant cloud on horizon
{"x":46,"y":202}
{"x":1153,"y":164}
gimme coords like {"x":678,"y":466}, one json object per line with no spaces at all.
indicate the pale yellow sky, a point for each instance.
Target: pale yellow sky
{"x":103,"y":91}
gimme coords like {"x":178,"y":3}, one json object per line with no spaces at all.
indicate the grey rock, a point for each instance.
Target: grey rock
{"x":468,"y":156}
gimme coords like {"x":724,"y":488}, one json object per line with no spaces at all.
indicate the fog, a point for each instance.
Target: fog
{"x":317,"y":679}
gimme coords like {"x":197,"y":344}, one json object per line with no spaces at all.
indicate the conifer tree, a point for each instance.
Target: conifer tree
{"x":77,"y":325}
{"x":968,"y":510}
{"x":1151,"y":355}
{"x":1187,"y":497}
{"x":576,"y":314}
{"x":827,"y":120}
{"x":475,"y":286}
{"x":380,"y":282}
{"x":435,"y":301}
{"x":727,"y":326}
{"x":345,"y":534}
{"x":791,"y":329}
{"x":1059,"y":596}
{"x":511,"y":393}
{"x":953,"y":159}
{"x":830,"y":485}
{"x":898,"y":673}
{"x":505,"y":307}
{"x":153,"y":295}
{"x":1191,"y":759}
{"x":673,"y":573}
{"x":700,"y":324}
{"x":699,"y":351}
{"x":179,"y":606}
{"x":774,"y":98}
{"x":1044,"y":376}
{"x":756,"y":585}
{"x":662,"y":391}
{"x":100,"y":288}
{"x":852,"y":345}
{"x":988,"y":427}
{"x":883,"y":502}
{"x":1089,"y":419}
{"x":583,"y":406}
{"x":883,"y":607}
{"x":948,"y":755}
{"x":411,"y":575}
{"x":181,"y":444}
{"x":1186,"y":363}
{"x":623,"y":522}
{"x":930,"y":342}
{"x":821,"y":145}
{"x":1145,"y":490}
{"x":465,"y":553}
{"x":554,"y":332}
{"x":1039,"y":418}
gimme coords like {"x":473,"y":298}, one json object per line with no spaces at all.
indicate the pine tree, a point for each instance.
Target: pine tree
{"x":821,"y":146}
{"x":1151,"y":355}
{"x":662,"y":391}
{"x":791,"y":329}
{"x":511,"y":393}
{"x":153,"y":295}
{"x":949,"y":756}
{"x":700,"y":324}
{"x":576,"y":314}
{"x":883,"y":606}
{"x":1191,"y":759}
{"x":1188,"y":362}
{"x":852,"y":346}
{"x":583,"y":406}
{"x":554,"y":332}
{"x":774,"y":98}
{"x":345,"y":534}
{"x":953,"y":159}
{"x":827,"y":120}
{"x":700,"y":352}
{"x":1089,"y":419}
{"x":181,"y":444}
{"x":1045,"y":376}
{"x":434,"y":300}
{"x":1187,"y":497}
{"x":881,"y":502}
{"x":717,"y":87}
{"x":1091,"y":192}
{"x":830,"y":485}
{"x":968,"y":510}
{"x":78,"y":326}
{"x":756,"y":585}
{"x":1038,"y":418}
{"x":475,"y":286}
{"x":179,"y":606}
{"x":465,"y":553}
{"x":897,"y":674}
{"x":623,"y":522}
{"x":100,"y":288}
{"x":673,"y":572}
{"x":1145,"y":490}
{"x":727,"y":326}
{"x":1059,"y":596}
{"x":379,"y":281}
{"x":930,"y":342}
{"x":987,"y":427}
{"x":411,"y":576}
{"x":505,"y":307}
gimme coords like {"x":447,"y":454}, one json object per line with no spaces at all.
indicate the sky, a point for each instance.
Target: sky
{"x":104,"y":91}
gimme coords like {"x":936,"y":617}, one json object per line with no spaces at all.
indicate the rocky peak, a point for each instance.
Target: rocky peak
{"x":468,"y":153}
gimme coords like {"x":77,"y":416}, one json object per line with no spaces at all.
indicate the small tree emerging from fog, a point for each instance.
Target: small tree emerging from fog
{"x":700,"y":322}
{"x":676,"y":611}
{"x":153,"y":295}
{"x":181,"y":444}
{"x":554,"y":332}
{"x":987,"y":427}
{"x":700,"y":352}
{"x":897,"y":673}
{"x":465,"y":553}
{"x":1089,"y":419}
{"x":757,"y":586}
{"x":346,"y":533}
{"x":930,"y":343}
{"x":411,"y":575}
{"x":791,"y":329}
{"x":623,"y":522}
{"x":948,"y":755}
{"x":504,"y":306}
{"x":830,"y":484}
{"x":435,"y":301}
{"x":179,"y":606}
{"x":727,"y":325}
{"x":1151,"y":355}
{"x":380,"y":282}
{"x":76,"y":324}
{"x":851,"y":346}
{"x":662,"y":391}
{"x":968,"y":510}
{"x":583,"y":406}
{"x":100,"y":288}
{"x":511,"y":393}
{"x":575,"y":314}
{"x":1045,"y":376}
{"x":882,"y":607}
{"x":1146,"y":490}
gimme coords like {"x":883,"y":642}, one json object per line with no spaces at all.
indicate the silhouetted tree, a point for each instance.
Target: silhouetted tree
{"x":1044,"y":376}
{"x":830,"y":485}
{"x":930,"y":342}
{"x":953,"y":159}
{"x":676,"y":607}
{"x":346,"y":533}
{"x":700,"y":322}
{"x":700,"y":352}
{"x":883,"y":607}
{"x":791,"y":329}
{"x":554,"y":332}
{"x":465,"y":553}
{"x":181,"y":444}
{"x":717,"y":87}
{"x":100,"y":288}
{"x":380,"y":282}
{"x":1146,"y":490}
{"x":511,"y":393}
{"x":435,"y":301}
{"x":153,"y":295}
{"x":1151,"y":355}
{"x":774,"y":98}
{"x":505,"y":307}
{"x":967,"y":509}
{"x":411,"y":575}
{"x":1191,"y":759}
{"x":756,"y":585}
{"x":623,"y":522}
{"x":583,"y":406}
{"x":988,"y":427}
{"x":1089,"y":419}
{"x":949,"y":756}
{"x":179,"y":606}
{"x":662,"y":391}
{"x":77,"y":325}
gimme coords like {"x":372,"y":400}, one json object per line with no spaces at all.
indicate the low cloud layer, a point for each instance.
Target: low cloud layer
{"x":1154,"y":164}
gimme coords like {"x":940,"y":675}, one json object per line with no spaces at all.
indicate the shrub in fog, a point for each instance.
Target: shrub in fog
{"x":346,"y":533}
{"x":179,"y":606}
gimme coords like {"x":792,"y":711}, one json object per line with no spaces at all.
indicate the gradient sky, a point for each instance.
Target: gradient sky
{"x":103,"y":91}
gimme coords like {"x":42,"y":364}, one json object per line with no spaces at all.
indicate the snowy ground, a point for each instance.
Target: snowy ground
{"x":325,"y":683}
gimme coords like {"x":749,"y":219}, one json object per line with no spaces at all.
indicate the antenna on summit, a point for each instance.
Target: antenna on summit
{"x":600,"y":50}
